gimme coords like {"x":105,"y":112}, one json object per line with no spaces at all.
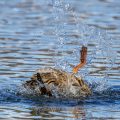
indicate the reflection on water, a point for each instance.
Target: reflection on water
{"x":37,"y":33}
{"x":59,"y":113}
{"x":42,"y":112}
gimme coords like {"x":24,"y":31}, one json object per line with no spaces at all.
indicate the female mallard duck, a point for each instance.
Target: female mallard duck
{"x":54,"y":82}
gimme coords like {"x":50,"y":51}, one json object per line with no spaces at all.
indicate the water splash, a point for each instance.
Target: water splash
{"x":98,"y":42}
{"x":58,"y":15}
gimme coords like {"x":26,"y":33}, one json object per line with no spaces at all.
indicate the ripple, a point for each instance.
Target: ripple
{"x":29,"y":39}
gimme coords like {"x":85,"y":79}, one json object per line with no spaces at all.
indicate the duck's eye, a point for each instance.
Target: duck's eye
{"x":75,"y":84}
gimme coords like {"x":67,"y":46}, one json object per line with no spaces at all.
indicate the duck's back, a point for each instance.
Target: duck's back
{"x":57,"y":83}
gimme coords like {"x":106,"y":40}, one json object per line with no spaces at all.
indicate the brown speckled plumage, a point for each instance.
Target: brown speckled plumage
{"x":54,"y":82}
{"x":50,"y":81}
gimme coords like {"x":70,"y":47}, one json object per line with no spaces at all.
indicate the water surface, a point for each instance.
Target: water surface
{"x":37,"y":33}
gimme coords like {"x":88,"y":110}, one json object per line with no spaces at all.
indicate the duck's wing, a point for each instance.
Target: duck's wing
{"x":43,"y":89}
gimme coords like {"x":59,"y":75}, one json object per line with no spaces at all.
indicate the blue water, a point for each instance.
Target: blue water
{"x":37,"y":33}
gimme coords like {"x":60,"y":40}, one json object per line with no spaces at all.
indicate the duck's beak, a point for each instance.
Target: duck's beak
{"x":82,"y":60}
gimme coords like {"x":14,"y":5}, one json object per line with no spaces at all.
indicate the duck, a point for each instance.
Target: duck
{"x":53,"y":82}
